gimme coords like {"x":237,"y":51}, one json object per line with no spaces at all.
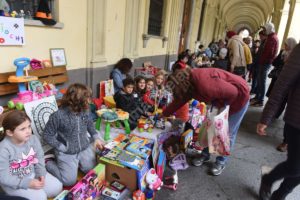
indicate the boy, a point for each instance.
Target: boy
{"x":128,"y":101}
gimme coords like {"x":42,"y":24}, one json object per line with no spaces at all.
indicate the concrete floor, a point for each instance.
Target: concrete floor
{"x":241,"y":178}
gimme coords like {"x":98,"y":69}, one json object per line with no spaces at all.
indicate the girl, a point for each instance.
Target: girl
{"x":22,"y":164}
{"x":119,"y":73}
{"x":149,"y":88}
{"x":140,"y":85}
{"x":68,"y":131}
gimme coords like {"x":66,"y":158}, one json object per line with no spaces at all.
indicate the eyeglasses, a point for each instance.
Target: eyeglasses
{"x":23,"y":163}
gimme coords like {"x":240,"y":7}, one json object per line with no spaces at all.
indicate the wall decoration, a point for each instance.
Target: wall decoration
{"x":58,"y":57}
{"x":11,"y":31}
{"x":39,"y":112}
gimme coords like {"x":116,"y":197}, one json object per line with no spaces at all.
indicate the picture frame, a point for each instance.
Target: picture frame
{"x":58,"y":57}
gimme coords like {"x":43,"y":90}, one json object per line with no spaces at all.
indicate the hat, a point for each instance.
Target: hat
{"x":229,"y":34}
{"x":43,"y":13}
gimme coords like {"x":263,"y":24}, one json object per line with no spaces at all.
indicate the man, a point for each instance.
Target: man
{"x":266,"y":58}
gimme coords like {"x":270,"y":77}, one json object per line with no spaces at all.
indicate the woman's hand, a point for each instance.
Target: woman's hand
{"x":98,"y":144}
{"x":36,"y":184}
{"x":261,"y":129}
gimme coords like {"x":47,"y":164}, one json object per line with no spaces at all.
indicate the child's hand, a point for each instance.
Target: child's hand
{"x":98,"y":144}
{"x":36,"y":184}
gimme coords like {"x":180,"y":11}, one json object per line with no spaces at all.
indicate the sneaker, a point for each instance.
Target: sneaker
{"x":264,"y":189}
{"x":217,"y":169}
{"x":192,"y":152}
{"x":49,"y":157}
{"x":282,"y":147}
{"x":257,"y":104}
{"x":199,"y":161}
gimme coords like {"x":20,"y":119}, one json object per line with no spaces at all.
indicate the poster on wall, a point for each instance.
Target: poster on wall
{"x":11,"y":31}
{"x":39,"y":112}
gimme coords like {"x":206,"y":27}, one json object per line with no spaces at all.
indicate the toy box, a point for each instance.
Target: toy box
{"x":186,"y":138}
{"x":89,"y":187}
{"x":161,"y":163}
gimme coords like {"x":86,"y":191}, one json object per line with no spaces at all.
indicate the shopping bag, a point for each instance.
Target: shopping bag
{"x":218,"y":131}
{"x":202,"y":134}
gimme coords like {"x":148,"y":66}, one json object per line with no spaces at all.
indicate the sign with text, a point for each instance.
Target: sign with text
{"x":11,"y":31}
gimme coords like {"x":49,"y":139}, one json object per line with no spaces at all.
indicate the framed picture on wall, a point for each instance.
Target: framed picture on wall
{"x":58,"y":57}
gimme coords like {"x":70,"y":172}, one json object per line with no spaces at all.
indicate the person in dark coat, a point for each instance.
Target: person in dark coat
{"x":287,"y":84}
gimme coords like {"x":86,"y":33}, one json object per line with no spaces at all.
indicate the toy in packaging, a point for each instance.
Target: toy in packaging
{"x":154,"y":182}
{"x":186,"y":138}
{"x":119,"y":187}
{"x":111,"y":193}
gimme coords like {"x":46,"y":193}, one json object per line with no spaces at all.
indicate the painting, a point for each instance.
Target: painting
{"x":58,"y":57}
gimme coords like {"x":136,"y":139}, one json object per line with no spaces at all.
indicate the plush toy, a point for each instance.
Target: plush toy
{"x":153,"y":180}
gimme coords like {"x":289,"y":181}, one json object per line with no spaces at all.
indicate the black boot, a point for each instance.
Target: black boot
{"x":265,"y":189}
{"x":279,"y":195}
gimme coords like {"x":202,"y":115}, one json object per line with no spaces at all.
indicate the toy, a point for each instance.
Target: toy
{"x":110,"y":116}
{"x":119,"y":187}
{"x":186,"y":138}
{"x":111,"y":193}
{"x":145,"y":125}
{"x":153,"y":180}
{"x":25,"y":96}
{"x":36,"y":64}
{"x":171,"y":182}
{"x":138,"y":195}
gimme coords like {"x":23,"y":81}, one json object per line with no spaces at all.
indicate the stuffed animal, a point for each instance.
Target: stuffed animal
{"x":153,"y":180}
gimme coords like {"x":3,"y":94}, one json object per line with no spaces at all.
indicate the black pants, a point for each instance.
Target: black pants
{"x":289,"y":170}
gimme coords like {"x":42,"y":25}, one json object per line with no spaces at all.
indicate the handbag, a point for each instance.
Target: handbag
{"x":240,"y":71}
{"x":218,"y":132}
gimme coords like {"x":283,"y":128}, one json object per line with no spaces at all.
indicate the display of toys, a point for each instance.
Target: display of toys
{"x":145,"y":125}
{"x":24,"y":95}
{"x":153,"y":181}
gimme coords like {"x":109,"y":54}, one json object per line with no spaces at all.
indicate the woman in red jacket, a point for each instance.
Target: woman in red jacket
{"x":211,"y":85}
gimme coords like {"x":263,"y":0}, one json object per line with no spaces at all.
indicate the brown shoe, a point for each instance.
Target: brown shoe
{"x":282,"y":147}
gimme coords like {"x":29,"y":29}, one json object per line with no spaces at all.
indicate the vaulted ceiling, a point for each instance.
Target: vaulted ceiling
{"x":250,"y":14}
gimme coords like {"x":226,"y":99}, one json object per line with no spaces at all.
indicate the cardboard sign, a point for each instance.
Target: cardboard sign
{"x":11,"y":31}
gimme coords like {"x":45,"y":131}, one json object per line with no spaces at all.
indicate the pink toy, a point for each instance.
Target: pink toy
{"x":153,"y":180}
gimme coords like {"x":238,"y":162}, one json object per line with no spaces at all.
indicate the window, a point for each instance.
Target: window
{"x":155,"y":17}
{"x":29,"y":7}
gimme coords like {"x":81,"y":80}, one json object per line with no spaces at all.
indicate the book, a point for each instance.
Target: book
{"x":137,"y":148}
{"x":130,"y":160}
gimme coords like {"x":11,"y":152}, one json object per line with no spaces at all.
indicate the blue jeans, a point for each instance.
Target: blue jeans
{"x":261,"y":81}
{"x":234,"y":124}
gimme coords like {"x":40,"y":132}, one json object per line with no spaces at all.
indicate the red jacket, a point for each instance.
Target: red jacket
{"x":217,"y":86}
{"x":270,"y":50}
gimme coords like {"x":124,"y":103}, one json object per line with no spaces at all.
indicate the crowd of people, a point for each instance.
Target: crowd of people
{"x":215,"y":75}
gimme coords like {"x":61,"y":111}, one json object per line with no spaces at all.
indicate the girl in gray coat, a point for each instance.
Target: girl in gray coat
{"x":70,"y":132}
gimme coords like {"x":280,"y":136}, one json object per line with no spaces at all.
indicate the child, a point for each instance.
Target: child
{"x":126,"y":101}
{"x":68,"y":131}
{"x":140,"y":85}
{"x":22,"y":164}
{"x":222,"y":62}
{"x":160,"y":94}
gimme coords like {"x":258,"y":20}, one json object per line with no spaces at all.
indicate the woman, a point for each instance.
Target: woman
{"x":119,"y":73}
{"x":278,"y":63}
{"x":210,"y":85}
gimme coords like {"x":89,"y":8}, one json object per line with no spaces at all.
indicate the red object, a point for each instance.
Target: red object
{"x":183,"y":113}
{"x":97,"y":102}
{"x":139,"y":195}
{"x":229,"y":34}
{"x":270,"y":50}
{"x":147,"y":99}
{"x":217,"y":85}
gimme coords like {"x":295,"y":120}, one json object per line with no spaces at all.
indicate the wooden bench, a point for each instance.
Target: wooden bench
{"x":54,"y":75}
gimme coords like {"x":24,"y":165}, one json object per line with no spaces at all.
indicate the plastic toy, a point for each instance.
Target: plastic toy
{"x":110,"y":116}
{"x":153,"y":180}
{"x":24,"y":95}
{"x":145,"y":125}
{"x":171,"y":182}
{"x":138,"y":195}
